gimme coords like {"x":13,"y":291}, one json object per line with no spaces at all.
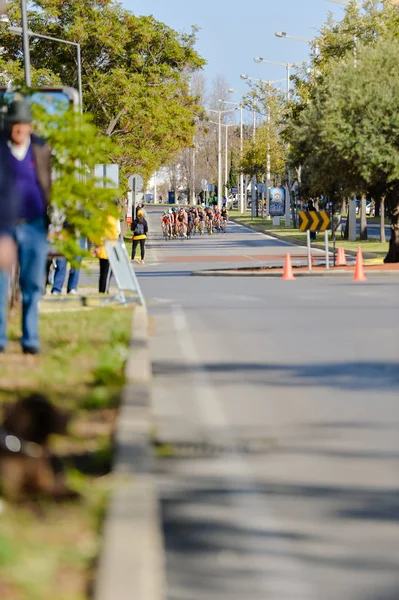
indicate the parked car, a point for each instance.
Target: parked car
{"x":370,"y":208}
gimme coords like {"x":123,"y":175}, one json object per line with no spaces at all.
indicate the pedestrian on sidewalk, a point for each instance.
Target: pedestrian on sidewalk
{"x":61,"y":270}
{"x":311,"y":208}
{"x":27,"y":160}
{"x":112,"y":233}
{"x":140,"y":230}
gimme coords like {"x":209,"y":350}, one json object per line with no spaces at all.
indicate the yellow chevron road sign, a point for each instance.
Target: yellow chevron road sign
{"x":313,"y":221}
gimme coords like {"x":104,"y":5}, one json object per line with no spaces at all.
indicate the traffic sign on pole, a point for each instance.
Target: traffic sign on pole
{"x":204,"y":184}
{"x":313,"y":220}
{"x":136,"y":182}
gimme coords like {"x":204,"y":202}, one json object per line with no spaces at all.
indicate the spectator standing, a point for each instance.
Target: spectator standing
{"x":112,"y":233}
{"x":140,"y":230}
{"x":60,"y":274}
{"x":27,"y":159}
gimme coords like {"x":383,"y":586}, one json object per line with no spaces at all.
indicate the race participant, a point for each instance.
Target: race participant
{"x":181,"y":222}
{"x":225,"y":217}
{"x":201,"y":220}
{"x":175,"y":222}
{"x":190,"y":221}
{"x":209,"y":219}
{"x":166,"y":223}
{"x":217,"y":219}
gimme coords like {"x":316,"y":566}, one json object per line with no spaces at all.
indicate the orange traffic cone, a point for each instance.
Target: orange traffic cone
{"x":359,"y":270}
{"x":288,"y":275}
{"x":341,"y":258}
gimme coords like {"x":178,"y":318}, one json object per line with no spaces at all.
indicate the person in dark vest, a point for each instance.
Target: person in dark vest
{"x":28,"y":162}
{"x":140,"y":230}
{"x":312,"y":208}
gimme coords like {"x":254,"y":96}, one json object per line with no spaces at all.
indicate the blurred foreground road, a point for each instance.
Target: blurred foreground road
{"x":281,"y":402}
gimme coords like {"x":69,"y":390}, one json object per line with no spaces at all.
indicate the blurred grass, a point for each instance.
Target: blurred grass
{"x":48,"y":550}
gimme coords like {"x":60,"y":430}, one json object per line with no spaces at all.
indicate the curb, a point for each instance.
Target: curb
{"x":132,"y":560}
{"x":262,"y":272}
{"x":296,"y":242}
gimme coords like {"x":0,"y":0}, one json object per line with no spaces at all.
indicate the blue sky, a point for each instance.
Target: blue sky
{"x":232,"y":32}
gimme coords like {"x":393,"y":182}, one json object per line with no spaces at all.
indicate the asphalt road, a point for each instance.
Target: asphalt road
{"x":280,"y":401}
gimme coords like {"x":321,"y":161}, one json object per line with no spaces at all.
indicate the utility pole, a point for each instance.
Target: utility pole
{"x":220,"y":183}
{"x":193,"y":194}
{"x":226,"y":173}
{"x":25,"y":42}
{"x":242,"y":207}
{"x":268,"y":166}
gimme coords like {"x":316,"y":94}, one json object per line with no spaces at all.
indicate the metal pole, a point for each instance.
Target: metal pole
{"x":134,"y":199}
{"x":268,"y":167}
{"x":25,"y":43}
{"x":226,"y":175}
{"x":193,"y":194}
{"x":288,"y":81}
{"x":327,"y":253}
{"x":254,"y":122}
{"x":155,"y":188}
{"x":80,"y":78}
{"x":253,"y":197}
{"x":309,"y":251}
{"x":220,"y":183}
{"x":242,"y":208}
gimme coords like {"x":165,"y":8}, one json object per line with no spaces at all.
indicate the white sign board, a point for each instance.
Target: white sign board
{"x":122,"y":270}
{"x":109,"y":174}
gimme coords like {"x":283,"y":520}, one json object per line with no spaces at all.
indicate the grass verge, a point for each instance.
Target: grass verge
{"x":48,"y":550}
{"x":294,"y":235}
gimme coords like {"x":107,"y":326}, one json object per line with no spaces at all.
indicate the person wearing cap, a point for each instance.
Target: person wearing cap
{"x":27,"y":159}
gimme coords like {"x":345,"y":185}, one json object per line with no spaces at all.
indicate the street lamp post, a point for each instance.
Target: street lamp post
{"x":288,"y":67}
{"x":29,"y":33}
{"x":25,"y":43}
{"x":283,"y":34}
{"x":220,"y":152}
{"x":267,"y":81}
{"x":240,"y":106}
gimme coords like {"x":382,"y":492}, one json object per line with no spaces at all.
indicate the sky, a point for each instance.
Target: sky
{"x":232,"y":33}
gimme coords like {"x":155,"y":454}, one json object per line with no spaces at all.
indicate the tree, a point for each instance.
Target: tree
{"x":136,"y":74}
{"x":233,"y":173}
{"x":77,"y":197}
{"x":355,"y":140}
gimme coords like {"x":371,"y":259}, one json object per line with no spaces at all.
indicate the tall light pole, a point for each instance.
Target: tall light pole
{"x":25,"y":43}
{"x":268,"y":82}
{"x":29,"y":33}
{"x":284,"y":35}
{"x":240,"y":106}
{"x":220,"y":152}
{"x":288,"y":66}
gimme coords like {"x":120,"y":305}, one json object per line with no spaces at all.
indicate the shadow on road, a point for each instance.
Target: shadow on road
{"x":211,"y":552}
{"x":353,"y":375}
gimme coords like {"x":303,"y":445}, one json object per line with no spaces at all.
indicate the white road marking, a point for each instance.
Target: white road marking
{"x":207,"y":403}
{"x":213,"y":416}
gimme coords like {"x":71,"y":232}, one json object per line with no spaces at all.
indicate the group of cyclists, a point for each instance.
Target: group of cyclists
{"x":184,"y":222}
